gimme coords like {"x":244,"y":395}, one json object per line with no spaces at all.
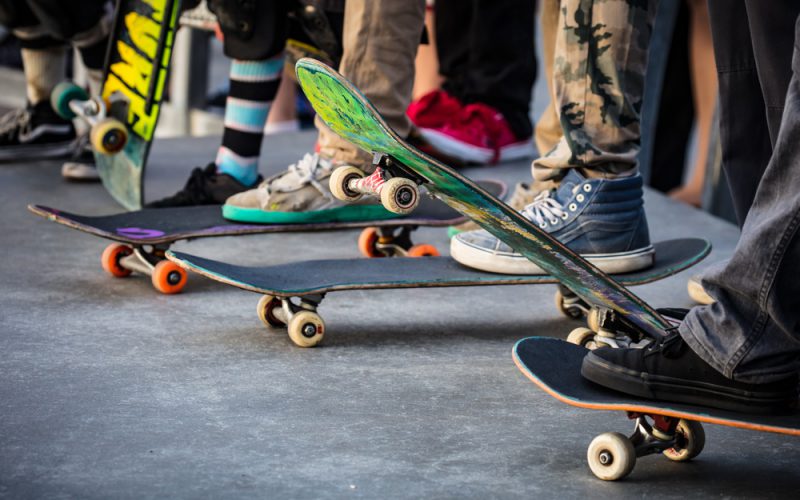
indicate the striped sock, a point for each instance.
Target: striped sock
{"x":253,"y":85}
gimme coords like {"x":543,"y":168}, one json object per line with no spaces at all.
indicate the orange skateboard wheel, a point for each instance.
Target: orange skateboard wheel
{"x":423,"y":251}
{"x":366,"y":243}
{"x":168,"y":277}
{"x":110,"y":259}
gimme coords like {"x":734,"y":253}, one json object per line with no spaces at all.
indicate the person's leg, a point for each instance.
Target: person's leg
{"x":547,"y":131}
{"x":597,"y":210}
{"x":601,"y":57}
{"x":378,"y":58}
{"x":743,"y":351}
{"x":254,"y":38}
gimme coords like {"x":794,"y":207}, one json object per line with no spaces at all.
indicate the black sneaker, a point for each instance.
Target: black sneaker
{"x":81,"y":167}
{"x":35,"y":132}
{"x":668,"y":370}
{"x":204,"y":187}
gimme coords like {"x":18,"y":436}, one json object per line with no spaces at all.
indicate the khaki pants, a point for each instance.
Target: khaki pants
{"x":380,"y":43}
{"x":548,"y":130}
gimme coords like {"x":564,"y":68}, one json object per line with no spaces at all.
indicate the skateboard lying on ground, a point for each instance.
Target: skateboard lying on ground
{"x":400,"y":172}
{"x":292,"y":292}
{"x":143,"y":236}
{"x":124,"y":118}
{"x":669,"y":428}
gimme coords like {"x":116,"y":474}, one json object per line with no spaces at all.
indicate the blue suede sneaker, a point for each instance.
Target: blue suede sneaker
{"x":603,"y":220}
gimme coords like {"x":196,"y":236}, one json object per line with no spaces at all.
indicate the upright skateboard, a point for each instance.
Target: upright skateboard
{"x":293,"y":292}
{"x":142,"y":237}
{"x":123,"y":119}
{"x":402,"y":169}
{"x":671,"y":429}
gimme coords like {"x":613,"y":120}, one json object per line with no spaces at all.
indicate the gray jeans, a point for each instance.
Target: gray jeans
{"x":752,"y":332}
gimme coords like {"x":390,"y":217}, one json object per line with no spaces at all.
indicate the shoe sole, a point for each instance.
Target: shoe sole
{"x":37,"y":151}
{"x":475,"y":154}
{"x":350,"y":213}
{"x":506,"y":263}
{"x":668,"y":389}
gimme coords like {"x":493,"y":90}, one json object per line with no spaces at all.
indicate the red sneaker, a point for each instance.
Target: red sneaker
{"x":434,"y":109}
{"x":479,"y":134}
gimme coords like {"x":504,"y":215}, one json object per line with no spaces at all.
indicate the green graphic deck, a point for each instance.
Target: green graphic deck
{"x":348,"y":113}
{"x":322,"y":276}
{"x":136,"y":75}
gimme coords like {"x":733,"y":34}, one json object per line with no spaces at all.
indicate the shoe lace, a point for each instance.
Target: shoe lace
{"x":309,"y":170}
{"x":544,"y":209}
{"x":15,"y":121}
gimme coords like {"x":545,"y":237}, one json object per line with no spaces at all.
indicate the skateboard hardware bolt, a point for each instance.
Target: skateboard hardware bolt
{"x":174,"y":278}
{"x":309,"y":330}
{"x":606,"y":458}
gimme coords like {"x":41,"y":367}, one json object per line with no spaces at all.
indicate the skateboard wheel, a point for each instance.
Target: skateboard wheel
{"x":611,"y":456}
{"x":583,"y":337}
{"x":108,"y":136}
{"x":111,"y":257}
{"x":593,"y":319}
{"x":367,"y":241}
{"x":339,"y":183}
{"x":400,"y":195}
{"x":690,"y":439}
{"x":168,"y":277}
{"x":306,"y":329}
{"x":61,"y":96}
{"x":267,"y":308}
{"x":569,"y":311}
{"x":423,"y":251}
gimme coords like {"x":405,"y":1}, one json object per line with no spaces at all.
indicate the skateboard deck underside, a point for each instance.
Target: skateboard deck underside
{"x":136,"y":71}
{"x":167,"y":225}
{"x":322,"y":276}
{"x":555,"y":366}
{"x":348,"y":113}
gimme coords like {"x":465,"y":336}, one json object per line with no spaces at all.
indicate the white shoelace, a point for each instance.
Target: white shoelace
{"x":308,"y":170}
{"x":544,"y":210}
{"x":14,"y":119}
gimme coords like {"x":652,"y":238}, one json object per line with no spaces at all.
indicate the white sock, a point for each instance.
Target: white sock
{"x":44,"y":68}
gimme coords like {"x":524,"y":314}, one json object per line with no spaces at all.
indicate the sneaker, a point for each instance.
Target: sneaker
{"x":601,"y":219}
{"x":300,"y":195}
{"x":35,"y":132}
{"x":522,"y":196}
{"x":668,"y":370}
{"x":478,"y":134}
{"x":433,"y":110}
{"x":81,"y":168}
{"x":205,"y":187}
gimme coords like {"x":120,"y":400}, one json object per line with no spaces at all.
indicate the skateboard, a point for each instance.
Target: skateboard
{"x":293,"y":292}
{"x":143,"y":236}
{"x":401,"y":170}
{"x":123,"y":119}
{"x":673,"y":429}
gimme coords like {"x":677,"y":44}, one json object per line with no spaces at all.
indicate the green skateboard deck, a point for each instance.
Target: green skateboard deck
{"x":402,"y":168}
{"x":298,"y":287}
{"x":669,"y":428}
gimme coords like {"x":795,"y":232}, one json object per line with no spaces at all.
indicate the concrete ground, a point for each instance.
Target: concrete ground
{"x":112,"y":390}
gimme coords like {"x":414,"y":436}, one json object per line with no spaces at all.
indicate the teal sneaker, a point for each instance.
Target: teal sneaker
{"x":300,"y":195}
{"x":603,"y":220}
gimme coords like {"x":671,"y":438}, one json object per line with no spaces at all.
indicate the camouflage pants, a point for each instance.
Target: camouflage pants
{"x":598,"y":81}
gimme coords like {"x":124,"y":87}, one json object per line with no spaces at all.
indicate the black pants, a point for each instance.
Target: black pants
{"x":751,"y":94}
{"x":486,"y":54}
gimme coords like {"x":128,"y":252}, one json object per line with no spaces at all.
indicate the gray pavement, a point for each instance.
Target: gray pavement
{"x":110,"y":390}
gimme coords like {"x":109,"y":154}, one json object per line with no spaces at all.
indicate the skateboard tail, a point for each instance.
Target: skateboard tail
{"x":348,"y":113}
{"x":643,"y":407}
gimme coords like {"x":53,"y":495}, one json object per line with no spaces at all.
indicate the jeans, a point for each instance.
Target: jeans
{"x":752,"y":332}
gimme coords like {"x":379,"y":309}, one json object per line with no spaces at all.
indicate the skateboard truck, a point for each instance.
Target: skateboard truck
{"x":396,"y":187}
{"x":606,"y":328}
{"x":387,"y":241}
{"x":612,"y":456}
{"x":297,"y":314}
{"x":107,"y":135}
{"x":121,"y":260}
